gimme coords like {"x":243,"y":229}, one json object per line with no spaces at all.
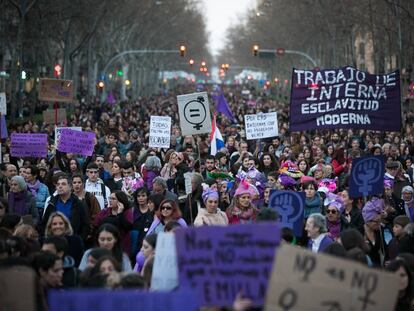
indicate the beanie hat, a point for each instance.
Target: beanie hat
{"x":209,"y":193}
{"x":401,"y":220}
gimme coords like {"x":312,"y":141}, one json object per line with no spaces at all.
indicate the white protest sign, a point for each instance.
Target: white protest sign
{"x":194,"y":111}
{"x":58,"y":131}
{"x":187,"y":182}
{"x":160,"y":132}
{"x":303,"y":280}
{"x":165,"y":271}
{"x":3,"y":103}
{"x":261,"y":125}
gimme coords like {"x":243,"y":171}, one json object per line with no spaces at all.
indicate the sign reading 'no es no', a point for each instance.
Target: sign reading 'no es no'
{"x":194,"y":113}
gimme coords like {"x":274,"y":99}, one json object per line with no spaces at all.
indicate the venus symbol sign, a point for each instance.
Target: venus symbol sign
{"x":290,"y":206}
{"x":367,"y":176}
{"x":194,"y":113}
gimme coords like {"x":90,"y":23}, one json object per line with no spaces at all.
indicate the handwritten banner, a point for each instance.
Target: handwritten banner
{"x":72,"y":141}
{"x":121,"y":300}
{"x":219,"y":262}
{"x":261,"y":125}
{"x":290,"y":207}
{"x":55,"y":90}
{"x":50,"y":116}
{"x":367,"y":176}
{"x":160,"y":132}
{"x":345,"y":98}
{"x":165,"y":271}
{"x":302,"y":280}
{"x":28,"y":145}
{"x":58,"y":132}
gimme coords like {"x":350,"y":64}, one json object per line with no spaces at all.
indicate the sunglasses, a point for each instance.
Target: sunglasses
{"x":331,"y":211}
{"x":167,"y":207}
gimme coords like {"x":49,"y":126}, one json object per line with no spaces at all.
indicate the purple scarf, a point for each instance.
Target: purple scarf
{"x":17,"y":203}
{"x":334,"y":229}
{"x":34,"y":188}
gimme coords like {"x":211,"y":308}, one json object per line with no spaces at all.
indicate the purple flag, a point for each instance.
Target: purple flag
{"x":111,"y":99}
{"x":4,"y":133}
{"x":345,"y":98}
{"x":223,"y":107}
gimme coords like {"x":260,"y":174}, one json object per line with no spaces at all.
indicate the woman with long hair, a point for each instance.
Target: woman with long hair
{"x":268,"y":163}
{"x":120,"y":215}
{"x":405,"y":294}
{"x":108,"y":237}
{"x":168,"y":211}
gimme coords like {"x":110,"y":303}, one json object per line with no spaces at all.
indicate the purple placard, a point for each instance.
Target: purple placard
{"x":345,"y":98}
{"x":71,"y":141}
{"x":220,"y":262}
{"x":28,"y":145}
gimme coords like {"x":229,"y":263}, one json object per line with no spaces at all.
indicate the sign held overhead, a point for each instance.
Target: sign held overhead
{"x":194,"y":111}
{"x":55,"y":90}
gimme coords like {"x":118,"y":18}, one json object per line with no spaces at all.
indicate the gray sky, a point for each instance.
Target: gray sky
{"x":220,"y":14}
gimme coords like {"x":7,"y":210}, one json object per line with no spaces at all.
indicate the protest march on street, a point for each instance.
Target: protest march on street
{"x":131,"y":178}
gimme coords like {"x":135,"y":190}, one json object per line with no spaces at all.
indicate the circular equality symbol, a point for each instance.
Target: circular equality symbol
{"x":195,"y":112}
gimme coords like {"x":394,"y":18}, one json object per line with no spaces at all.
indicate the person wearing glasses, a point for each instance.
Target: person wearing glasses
{"x":96,"y":186}
{"x":335,"y":221}
{"x":168,"y":212}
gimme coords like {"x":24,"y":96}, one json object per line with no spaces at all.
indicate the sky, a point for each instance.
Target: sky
{"x":220,"y":14}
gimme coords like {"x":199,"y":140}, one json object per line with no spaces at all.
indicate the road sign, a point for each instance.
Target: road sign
{"x":194,"y":111}
{"x":55,"y":90}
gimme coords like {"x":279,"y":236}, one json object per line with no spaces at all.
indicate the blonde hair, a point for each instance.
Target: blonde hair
{"x":68,"y":226}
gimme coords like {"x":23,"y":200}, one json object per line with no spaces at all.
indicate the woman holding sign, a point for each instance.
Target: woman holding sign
{"x":210,"y":215}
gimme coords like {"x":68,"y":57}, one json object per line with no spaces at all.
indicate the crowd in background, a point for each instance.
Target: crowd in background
{"x":93,"y":221}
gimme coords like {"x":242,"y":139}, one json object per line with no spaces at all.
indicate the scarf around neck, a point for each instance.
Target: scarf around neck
{"x":17,"y":203}
{"x":34,"y":188}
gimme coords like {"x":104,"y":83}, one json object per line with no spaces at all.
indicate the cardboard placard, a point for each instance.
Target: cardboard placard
{"x":219,"y":262}
{"x":56,"y":90}
{"x":49,"y":116}
{"x":303,"y":280}
{"x":261,"y":125}
{"x":14,"y":283}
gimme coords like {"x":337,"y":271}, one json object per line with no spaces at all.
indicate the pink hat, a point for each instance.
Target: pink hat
{"x":246,"y":188}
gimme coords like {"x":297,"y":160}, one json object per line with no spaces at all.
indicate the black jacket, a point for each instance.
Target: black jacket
{"x":78,"y":219}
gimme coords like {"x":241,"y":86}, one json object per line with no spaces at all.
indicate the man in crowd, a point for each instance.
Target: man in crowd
{"x":316,"y":229}
{"x":96,"y":186}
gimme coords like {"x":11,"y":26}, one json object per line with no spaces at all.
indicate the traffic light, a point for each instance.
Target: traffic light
{"x":23,"y":75}
{"x":255,"y":50}
{"x":182,"y":50}
{"x":127,"y":82}
{"x":203,"y":64}
{"x":57,"y":70}
{"x":101,"y":84}
{"x":119,"y":72}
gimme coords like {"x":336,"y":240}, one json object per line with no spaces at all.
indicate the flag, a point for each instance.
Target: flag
{"x":111,"y":99}
{"x":216,"y":140}
{"x":223,"y":107}
{"x":4,"y":133}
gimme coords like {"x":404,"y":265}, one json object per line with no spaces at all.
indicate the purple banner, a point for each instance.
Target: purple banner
{"x":120,"y":300}
{"x":220,"y":262}
{"x":71,"y":141}
{"x":28,"y":145}
{"x":345,"y":98}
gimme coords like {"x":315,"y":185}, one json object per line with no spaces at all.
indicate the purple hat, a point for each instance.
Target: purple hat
{"x":388,"y":183}
{"x":373,"y":208}
{"x":335,"y":201}
{"x":209,"y":193}
{"x":286,"y":181}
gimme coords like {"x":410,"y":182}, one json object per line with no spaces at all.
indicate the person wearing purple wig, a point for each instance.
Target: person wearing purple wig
{"x":373,"y":213}
{"x":211,"y":214}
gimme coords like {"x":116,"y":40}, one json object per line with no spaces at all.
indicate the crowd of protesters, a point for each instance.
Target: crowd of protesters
{"x":93,"y":221}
